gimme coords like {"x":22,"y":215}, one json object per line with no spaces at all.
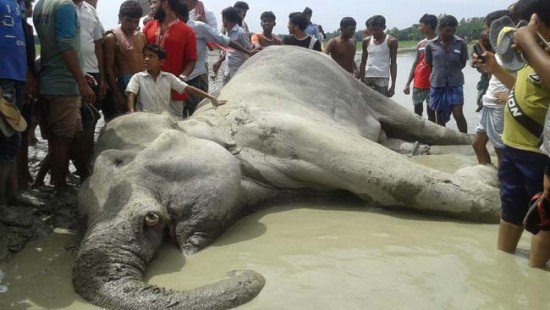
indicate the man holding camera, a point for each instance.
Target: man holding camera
{"x":523,"y":165}
{"x":491,"y":115}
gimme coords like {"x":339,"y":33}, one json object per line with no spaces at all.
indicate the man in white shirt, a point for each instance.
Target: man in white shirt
{"x":91,"y":56}
{"x":491,"y":116}
{"x":91,"y":49}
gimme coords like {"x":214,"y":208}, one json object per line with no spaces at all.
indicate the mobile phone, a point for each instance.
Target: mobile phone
{"x":479,"y":52}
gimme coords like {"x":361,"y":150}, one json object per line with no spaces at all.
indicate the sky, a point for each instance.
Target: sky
{"x":328,"y":13}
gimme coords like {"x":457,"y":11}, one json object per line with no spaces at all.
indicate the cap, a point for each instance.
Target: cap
{"x":501,"y":36}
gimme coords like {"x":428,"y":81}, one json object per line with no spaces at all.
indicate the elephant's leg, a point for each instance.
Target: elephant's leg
{"x":312,"y":153}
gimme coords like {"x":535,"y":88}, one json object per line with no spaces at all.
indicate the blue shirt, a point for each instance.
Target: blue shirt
{"x":447,"y":63}
{"x":312,"y":30}
{"x":13,"y":62}
{"x":236,"y":59}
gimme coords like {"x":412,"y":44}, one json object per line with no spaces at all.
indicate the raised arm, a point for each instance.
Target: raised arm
{"x":533,"y":52}
{"x":489,"y":64}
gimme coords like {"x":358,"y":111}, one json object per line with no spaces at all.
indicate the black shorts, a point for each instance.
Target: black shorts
{"x":521,"y":176}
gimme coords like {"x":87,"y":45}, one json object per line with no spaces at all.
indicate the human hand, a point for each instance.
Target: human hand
{"x":254,"y":51}
{"x":102,"y":89}
{"x":86,"y":92}
{"x":502,"y":98}
{"x":525,"y":37}
{"x":407,"y":89}
{"x":32,"y":87}
{"x":217,"y":103}
{"x":391,"y":92}
{"x":487,"y":61}
{"x":120,"y":100}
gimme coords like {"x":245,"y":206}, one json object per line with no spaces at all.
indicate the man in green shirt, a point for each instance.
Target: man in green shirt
{"x":62,"y":84}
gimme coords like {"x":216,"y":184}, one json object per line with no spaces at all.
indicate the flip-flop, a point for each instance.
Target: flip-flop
{"x":533,"y":221}
{"x":501,"y":36}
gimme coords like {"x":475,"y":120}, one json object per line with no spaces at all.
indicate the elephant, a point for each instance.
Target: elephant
{"x":295,"y":123}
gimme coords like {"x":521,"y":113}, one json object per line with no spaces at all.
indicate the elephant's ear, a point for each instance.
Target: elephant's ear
{"x":209,"y":130}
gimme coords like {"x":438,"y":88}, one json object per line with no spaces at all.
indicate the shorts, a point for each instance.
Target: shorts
{"x":122,"y":83}
{"x":9,"y":146}
{"x":491,"y":123}
{"x":379,"y":84}
{"x":200,"y":82}
{"x":443,"y":99}
{"x":521,"y":175}
{"x":420,"y":95}
{"x":59,"y":116}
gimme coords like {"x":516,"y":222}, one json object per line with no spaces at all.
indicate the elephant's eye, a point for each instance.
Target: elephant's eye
{"x":152,"y":219}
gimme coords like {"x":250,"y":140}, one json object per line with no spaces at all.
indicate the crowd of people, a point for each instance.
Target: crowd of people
{"x":84,"y":72}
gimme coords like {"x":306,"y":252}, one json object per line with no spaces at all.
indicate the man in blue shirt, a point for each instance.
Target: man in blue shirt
{"x":447,"y":55}
{"x":13,"y":71}
{"x":312,"y":29}
{"x":62,"y":85}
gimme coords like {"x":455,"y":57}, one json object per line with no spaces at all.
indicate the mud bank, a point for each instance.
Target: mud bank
{"x":37,"y":212}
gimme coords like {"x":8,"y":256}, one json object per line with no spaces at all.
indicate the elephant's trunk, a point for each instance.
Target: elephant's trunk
{"x":113,"y":278}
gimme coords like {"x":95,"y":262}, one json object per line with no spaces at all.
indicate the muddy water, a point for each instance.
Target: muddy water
{"x":330,"y":255}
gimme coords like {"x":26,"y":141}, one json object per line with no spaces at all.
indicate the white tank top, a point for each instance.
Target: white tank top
{"x":379,"y":61}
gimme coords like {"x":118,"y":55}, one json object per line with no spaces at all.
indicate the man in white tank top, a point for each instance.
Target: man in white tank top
{"x":379,"y":61}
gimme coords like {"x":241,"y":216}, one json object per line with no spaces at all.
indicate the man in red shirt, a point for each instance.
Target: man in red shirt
{"x":420,"y":71}
{"x":179,"y":42}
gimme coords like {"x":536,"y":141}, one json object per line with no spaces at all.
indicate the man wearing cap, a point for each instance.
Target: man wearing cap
{"x":13,"y":70}
{"x":61,"y":83}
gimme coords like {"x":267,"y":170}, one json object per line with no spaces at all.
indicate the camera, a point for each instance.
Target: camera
{"x":479,"y":52}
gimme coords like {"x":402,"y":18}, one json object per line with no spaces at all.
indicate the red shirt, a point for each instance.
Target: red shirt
{"x":422,"y":71}
{"x":180,"y":45}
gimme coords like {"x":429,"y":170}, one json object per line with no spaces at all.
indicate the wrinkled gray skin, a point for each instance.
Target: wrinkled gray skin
{"x":295,"y":122}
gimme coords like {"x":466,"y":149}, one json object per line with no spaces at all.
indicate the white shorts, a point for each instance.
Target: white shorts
{"x":491,"y":123}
